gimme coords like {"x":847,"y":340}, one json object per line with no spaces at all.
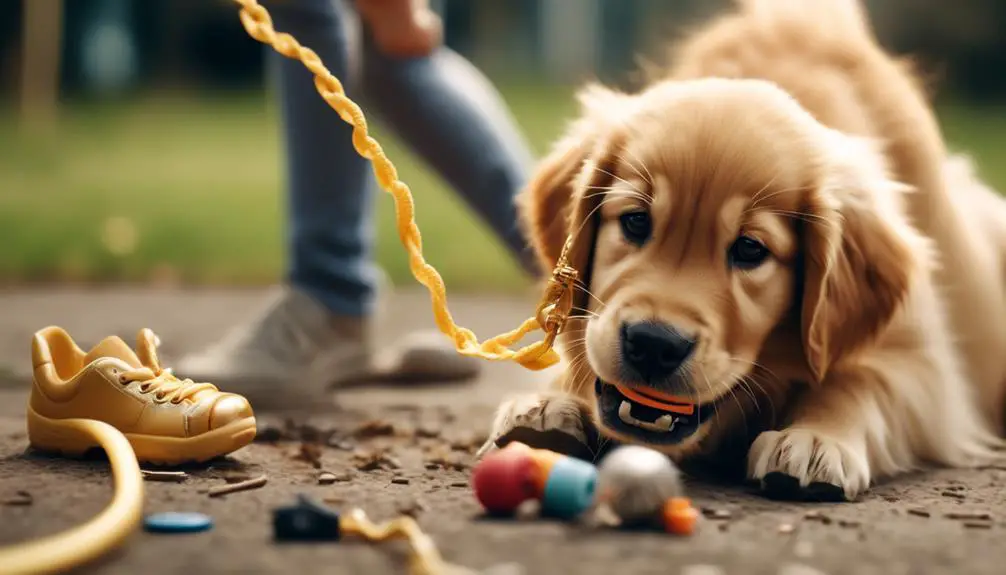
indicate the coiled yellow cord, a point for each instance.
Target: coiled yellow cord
{"x":110,"y":529}
{"x":425,"y":558}
{"x":555,"y":305}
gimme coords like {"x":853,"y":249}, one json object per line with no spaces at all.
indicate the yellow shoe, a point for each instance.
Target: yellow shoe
{"x":167,"y":420}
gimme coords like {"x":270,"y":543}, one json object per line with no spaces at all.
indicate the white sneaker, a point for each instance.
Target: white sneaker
{"x":289,"y":356}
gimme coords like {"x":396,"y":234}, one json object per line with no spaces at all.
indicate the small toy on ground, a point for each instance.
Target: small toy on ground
{"x":177,"y":522}
{"x":310,"y":521}
{"x":643,"y":487}
{"x":638,"y":485}
{"x":505,"y":479}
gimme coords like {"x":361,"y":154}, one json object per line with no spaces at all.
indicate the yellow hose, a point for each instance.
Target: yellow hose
{"x":100,"y":535}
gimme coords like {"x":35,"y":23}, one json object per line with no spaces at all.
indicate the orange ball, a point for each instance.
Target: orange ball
{"x":680,"y":518}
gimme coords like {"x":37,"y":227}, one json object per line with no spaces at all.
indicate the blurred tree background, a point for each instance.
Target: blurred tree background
{"x":139,"y":139}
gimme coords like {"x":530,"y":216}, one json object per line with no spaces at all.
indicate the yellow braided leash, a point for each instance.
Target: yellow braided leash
{"x":556,"y":302}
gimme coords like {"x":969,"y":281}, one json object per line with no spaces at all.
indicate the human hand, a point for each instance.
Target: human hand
{"x":402,"y":28}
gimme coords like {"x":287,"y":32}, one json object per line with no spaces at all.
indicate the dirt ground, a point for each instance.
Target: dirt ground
{"x":910,"y":526}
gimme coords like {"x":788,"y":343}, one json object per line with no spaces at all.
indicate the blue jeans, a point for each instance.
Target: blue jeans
{"x":441,"y":106}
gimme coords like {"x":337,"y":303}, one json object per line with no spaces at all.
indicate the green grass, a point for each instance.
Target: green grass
{"x":194,"y":188}
{"x":197,"y":183}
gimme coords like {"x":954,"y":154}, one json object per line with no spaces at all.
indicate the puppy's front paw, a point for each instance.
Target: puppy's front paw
{"x":557,"y":421}
{"x":807,"y":465}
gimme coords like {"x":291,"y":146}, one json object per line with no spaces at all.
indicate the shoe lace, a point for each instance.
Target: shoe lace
{"x":164,"y":384}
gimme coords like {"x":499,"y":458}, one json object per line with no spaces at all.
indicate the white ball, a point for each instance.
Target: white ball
{"x":635,"y":482}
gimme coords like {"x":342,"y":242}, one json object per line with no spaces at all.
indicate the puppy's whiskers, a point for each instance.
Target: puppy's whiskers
{"x":620,"y":179}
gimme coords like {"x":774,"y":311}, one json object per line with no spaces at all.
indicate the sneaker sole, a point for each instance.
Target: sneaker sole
{"x":61,"y":436}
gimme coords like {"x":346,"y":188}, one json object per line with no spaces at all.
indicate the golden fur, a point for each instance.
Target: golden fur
{"x":872,"y":340}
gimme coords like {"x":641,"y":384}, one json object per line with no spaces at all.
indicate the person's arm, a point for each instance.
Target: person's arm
{"x":402,"y":28}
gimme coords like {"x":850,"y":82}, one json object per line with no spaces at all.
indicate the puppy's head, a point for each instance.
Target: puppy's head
{"x":728,"y":244}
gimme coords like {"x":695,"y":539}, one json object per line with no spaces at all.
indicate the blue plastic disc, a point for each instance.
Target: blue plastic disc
{"x":569,"y":490}
{"x":177,"y":522}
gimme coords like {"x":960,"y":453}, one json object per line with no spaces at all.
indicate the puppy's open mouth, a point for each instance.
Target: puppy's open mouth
{"x":648,"y":417}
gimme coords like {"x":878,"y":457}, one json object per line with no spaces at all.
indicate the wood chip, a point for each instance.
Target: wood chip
{"x":954,"y":494}
{"x":977,"y":525}
{"x":19,"y":499}
{"x":400,"y":480}
{"x":818,"y":516}
{"x":975,"y":516}
{"x":459,"y":484}
{"x":919,"y":512}
{"x":848,"y":523}
{"x":166,"y":476}
{"x":326,"y":478}
{"x":374,"y":428}
{"x":235,"y":487}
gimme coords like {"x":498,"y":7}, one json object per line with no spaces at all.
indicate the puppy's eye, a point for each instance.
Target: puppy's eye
{"x":636,"y":227}
{"x":747,"y":253}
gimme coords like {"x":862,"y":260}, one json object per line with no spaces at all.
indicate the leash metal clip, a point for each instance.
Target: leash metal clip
{"x":557,"y":301}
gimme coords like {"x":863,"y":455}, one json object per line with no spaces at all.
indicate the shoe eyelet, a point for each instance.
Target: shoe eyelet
{"x":122,"y":380}
{"x":159,"y":397}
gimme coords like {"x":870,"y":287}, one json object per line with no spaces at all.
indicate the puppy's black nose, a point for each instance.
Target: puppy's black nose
{"x":654,"y":350}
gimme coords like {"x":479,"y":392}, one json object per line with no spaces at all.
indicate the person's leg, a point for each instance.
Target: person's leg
{"x":453,"y":117}
{"x":317,"y":331}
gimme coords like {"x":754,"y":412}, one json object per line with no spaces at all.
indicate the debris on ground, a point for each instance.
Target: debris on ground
{"x":236,"y":487}
{"x":972,"y":516}
{"x":786,"y":528}
{"x":326,"y":478}
{"x":269,"y":434}
{"x":977,"y":525}
{"x":400,"y":480}
{"x":446,"y":461}
{"x":848,"y":523}
{"x":919,"y":512}
{"x":818,"y":516}
{"x":309,"y":453}
{"x":374,"y":428}
{"x":373,"y":460}
{"x":235,"y":477}
{"x":717,"y":514}
{"x":165,"y":476}
{"x":427,"y":432}
{"x":953,"y":494}
{"x":19,"y":499}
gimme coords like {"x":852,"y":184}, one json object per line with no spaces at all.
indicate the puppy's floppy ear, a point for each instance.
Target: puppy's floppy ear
{"x":860,"y":255}
{"x":546,"y":205}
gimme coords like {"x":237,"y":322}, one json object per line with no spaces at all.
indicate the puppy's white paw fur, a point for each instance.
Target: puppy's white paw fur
{"x":540,"y":412}
{"x":800,"y":463}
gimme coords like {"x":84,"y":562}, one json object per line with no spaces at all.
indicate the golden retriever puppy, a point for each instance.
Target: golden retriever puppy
{"x":775,"y":251}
